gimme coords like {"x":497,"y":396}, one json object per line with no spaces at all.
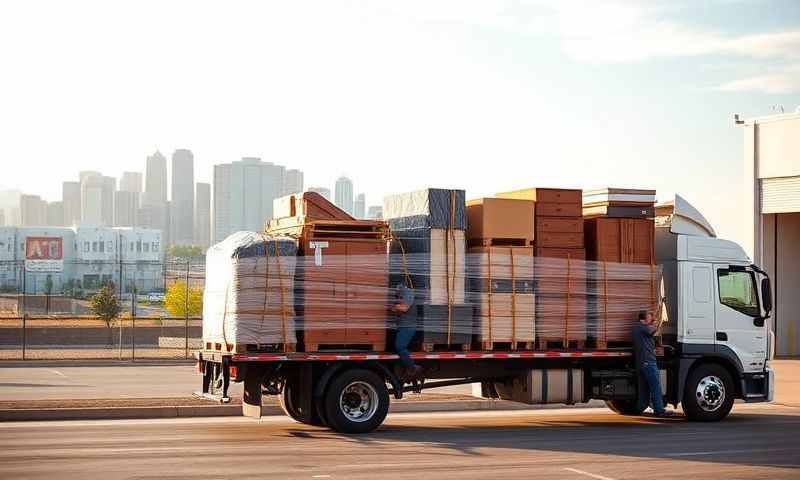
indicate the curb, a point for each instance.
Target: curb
{"x":119,"y":413}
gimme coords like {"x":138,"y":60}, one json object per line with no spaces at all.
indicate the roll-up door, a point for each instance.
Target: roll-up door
{"x":780,"y":195}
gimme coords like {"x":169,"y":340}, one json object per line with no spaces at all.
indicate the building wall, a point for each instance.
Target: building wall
{"x":55,"y":214}
{"x":33,"y":211}
{"x":202,"y":215}
{"x":182,"y":200}
{"x":71,"y":199}
{"x":155,"y":180}
{"x":344,"y":194}
{"x":772,"y":150}
{"x":131,"y":182}
{"x":126,"y":208}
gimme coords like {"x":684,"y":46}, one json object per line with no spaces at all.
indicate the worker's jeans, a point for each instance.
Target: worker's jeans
{"x":650,"y":387}
{"x":401,"y":342}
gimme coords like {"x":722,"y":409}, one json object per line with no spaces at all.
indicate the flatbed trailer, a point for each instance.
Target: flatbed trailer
{"x":350,"y":391}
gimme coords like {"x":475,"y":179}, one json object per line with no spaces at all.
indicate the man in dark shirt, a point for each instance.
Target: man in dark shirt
{"x":403,"y":306}
{"x":644,"y":349}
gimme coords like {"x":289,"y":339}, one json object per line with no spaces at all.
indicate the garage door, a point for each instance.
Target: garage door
{"x":780,"y":195}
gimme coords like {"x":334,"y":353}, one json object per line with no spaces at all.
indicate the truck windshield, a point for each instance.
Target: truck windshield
{"x":737,"y":290}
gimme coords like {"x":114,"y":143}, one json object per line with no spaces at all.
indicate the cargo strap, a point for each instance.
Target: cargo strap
{"x":513,"y":300}
{"x":566,"y":308}
{"x":605,"y":300}
{"x":489,"y":261}
{"x":450,"y":236}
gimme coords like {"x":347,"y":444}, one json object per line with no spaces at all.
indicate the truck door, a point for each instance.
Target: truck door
{"x":739,"y":323}
{"x":697,"y":285}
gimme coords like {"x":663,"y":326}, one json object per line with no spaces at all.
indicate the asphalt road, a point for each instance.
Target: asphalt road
{"x":755,"y":442}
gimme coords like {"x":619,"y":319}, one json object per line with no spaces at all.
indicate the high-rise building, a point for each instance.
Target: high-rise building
{"x":9,"y":203}
{"x":107,"y":207}
{"x":344,"y":194}
{"x":71,"y":202}
{"x":182,"y":199}
{"x":325,"y":192}
{"x":155,"y":190}
{"x":292,"y":181}
{"x":243,"y":195}
{"x":202,"y":215}
{"x":131,"y":182}
{"x":155,"y":217}
{"x":33,"y":211}
{"x":126,"y":208}
{"x":91,"y":198}
{"x":375,"y":212}
{"x":360,"y":206}
{"x":55,"y":214}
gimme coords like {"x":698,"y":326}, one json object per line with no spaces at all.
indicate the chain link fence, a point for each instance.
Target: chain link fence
{"x":49,"y":315}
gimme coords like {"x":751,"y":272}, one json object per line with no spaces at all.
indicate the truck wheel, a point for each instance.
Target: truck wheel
{"x":356,"y":401}
{"x":624,"y":407}
{"x":709,"y":394}
{"x":288,"y":401}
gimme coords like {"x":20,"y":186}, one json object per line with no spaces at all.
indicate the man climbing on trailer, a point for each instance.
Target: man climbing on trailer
{"x":406,"y":314}
{"x":644,"y":348}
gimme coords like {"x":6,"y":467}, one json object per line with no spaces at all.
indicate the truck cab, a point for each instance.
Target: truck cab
{"x":717,"y":302}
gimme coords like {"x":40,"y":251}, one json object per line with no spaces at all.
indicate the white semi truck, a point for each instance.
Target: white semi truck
{"x":715,"y":348}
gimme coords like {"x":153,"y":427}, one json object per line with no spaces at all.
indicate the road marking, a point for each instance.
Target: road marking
{"x":592,"y":475}
{"x":52,"y":370}
{"x":723,"y":452}
{"x":320,"y":476}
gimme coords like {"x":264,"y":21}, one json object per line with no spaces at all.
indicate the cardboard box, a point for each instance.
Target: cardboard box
{"x":545,"y":195}
{"x":500,"y":218}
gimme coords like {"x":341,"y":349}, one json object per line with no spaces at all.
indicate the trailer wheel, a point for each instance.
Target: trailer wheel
{"x":709,"y":394}
{"x":356,"y":401}
{"x":288,"y":401}
{"x":625,"y":407}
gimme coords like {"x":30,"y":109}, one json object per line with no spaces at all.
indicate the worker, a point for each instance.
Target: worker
{"x":644,"y":348}
{"x":403,"y":307}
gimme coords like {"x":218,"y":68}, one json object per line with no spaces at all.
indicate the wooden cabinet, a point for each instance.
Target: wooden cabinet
{"x":622,"y":240}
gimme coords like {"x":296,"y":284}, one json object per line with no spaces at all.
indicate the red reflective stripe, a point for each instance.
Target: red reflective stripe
{"x":271,"y":357}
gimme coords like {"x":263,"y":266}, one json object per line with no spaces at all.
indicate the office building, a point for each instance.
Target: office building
{"x":772,"y":179}
{"x":126,"y":208}
{"x":131,"y":182}
{"x":344,"y":194}
{"x":325,"y":192}
{"x":375,"y":212}
{"x":292,"y":181}
{"x":33,"y":211}
{"x":202,"y":215}
{"x":155,"y":190}
{"x":360,"y":206}
{"x":243,"y":194}
{"x":97,"y":199}
{"x":182,"y":198}
{"x":71,"y":202}
{"x":55,"y":214}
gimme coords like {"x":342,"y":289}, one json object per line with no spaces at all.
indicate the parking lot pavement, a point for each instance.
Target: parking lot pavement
{"x":756,"y":441}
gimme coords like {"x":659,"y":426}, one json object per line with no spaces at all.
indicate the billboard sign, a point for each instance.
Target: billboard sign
{"x":44,"y":254}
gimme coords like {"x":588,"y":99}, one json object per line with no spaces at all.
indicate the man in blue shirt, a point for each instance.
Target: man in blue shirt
{"x":644,"y":349}
{"x":406,"y":312}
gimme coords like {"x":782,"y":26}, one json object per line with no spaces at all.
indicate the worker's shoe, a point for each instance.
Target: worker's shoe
{"x":415,"y":371}
{"x":665,"y":414}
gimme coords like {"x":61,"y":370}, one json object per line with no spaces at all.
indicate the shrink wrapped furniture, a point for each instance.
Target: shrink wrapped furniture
{"x":428,"y":250}
{"x":248,"y":301}
{"x":500,"y":283}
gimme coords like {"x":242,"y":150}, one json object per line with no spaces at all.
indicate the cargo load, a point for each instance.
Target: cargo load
{"x":428,"y":254}
{"x":625,"y":281}
{"x":619,"y":203}
{"x":500,"y":221}
{"x":248,"y":301}
{"x":341,"y":275}
{"x":500,"y":285}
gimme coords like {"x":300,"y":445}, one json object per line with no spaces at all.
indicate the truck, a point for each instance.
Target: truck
{"x":714,"y":348}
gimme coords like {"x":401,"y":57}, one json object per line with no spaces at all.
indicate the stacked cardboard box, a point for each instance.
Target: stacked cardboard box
{"x":428,"y":254}
{"x":500,"y":272}
{"x":248,"y":300}
{"x":560,"y":266}
{"x":342,"y":276}
{"x":621,"y":244}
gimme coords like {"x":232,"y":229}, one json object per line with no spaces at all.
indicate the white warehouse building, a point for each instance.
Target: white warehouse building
{"x":772,"y":173}
{"x":86,"y":257}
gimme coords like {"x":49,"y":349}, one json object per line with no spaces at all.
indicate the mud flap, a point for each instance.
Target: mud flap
{"x":251,"y":400}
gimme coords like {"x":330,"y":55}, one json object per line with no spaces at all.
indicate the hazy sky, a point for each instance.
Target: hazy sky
{"x":481,"y":95}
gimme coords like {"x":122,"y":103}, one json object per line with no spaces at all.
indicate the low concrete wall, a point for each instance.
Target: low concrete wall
{"x":94,"y":336}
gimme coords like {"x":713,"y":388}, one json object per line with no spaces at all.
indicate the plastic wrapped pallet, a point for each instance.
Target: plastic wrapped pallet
{"x":248,"y":302}
{"x":428,"y":251}
{"x":500,"y":283}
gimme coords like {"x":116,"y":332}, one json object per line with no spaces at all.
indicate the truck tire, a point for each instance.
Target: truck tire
{"x":709,"y":393}
{"x":624,"y":407}
{"x":356,"y":401}
{"x":288,"y":401}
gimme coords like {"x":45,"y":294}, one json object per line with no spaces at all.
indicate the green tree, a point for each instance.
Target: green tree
{"x":175,"y":300}
{"x":105,"y":305}
{"x":185,"y":252}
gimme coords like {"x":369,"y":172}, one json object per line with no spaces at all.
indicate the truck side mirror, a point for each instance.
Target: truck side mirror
{"x":766,"y":294}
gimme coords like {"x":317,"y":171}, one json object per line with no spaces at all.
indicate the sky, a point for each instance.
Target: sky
{"x":487,"y":96}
